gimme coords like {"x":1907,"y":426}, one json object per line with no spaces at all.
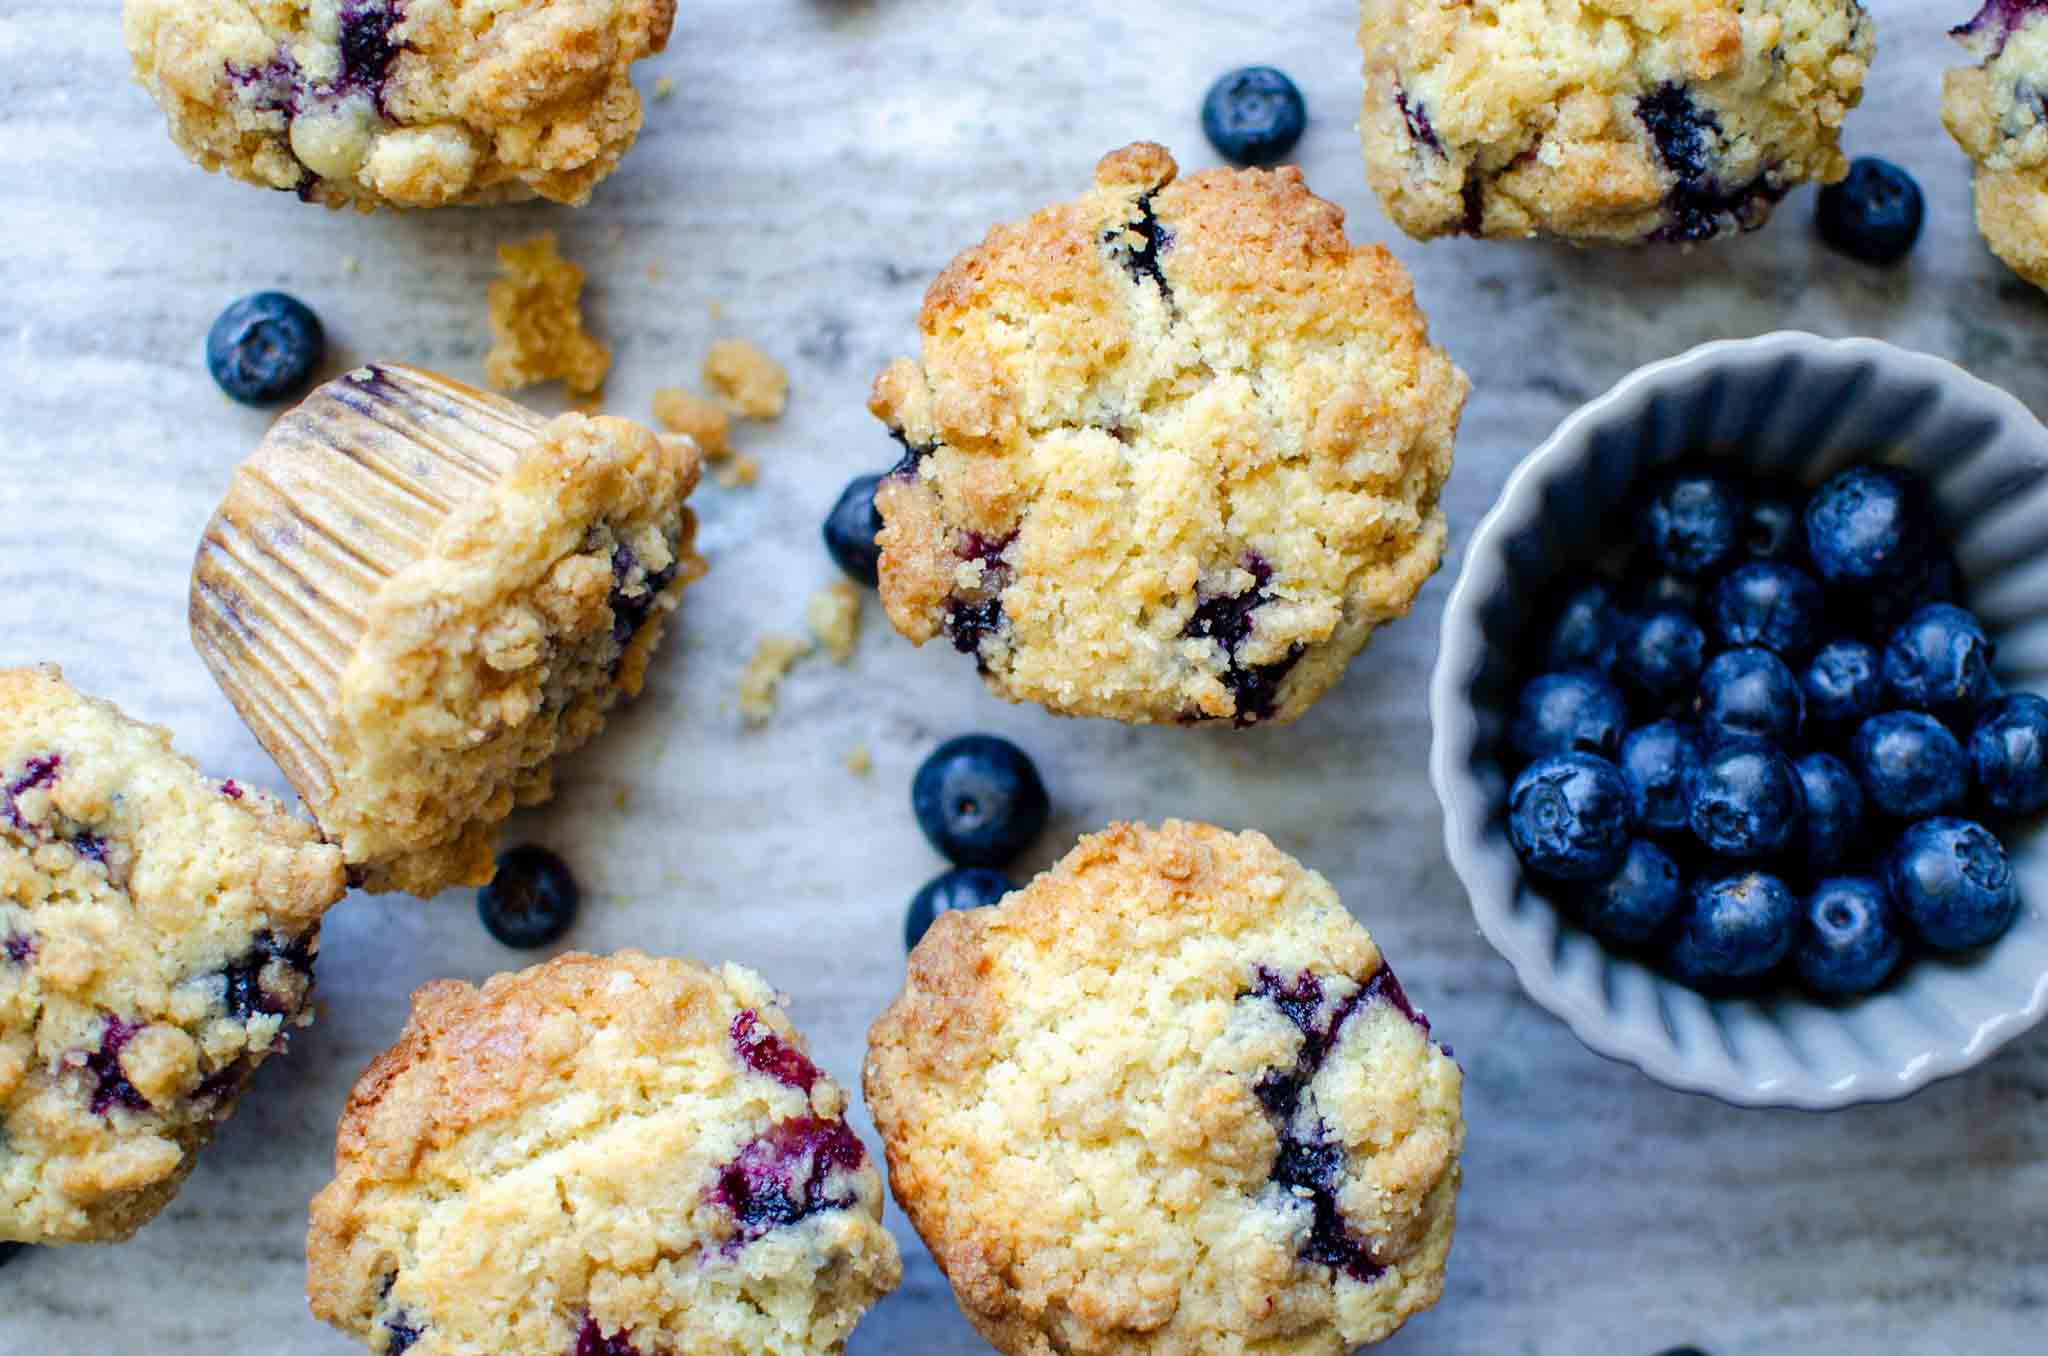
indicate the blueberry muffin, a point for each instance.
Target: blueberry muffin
{"x":1657,"y":120}
{"x":616,"y":1156}
{"x":1169,"y":1098}
{"x":405,"y":103}
{"x":157,"y":936}
{"x":418,"y":595}
{"x":1994,"y":111}
{"x":1172,"y":450}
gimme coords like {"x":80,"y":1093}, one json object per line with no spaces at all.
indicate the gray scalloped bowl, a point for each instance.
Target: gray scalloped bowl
{"x":1798,"y":407}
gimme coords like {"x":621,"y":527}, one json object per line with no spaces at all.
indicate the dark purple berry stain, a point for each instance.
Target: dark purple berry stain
{"x":629,"y":611}
{"x":1307,"y":1164}
{"x":1143,"y":260}
{"x":2002,"y":17}
{"x":1417,"y":117}
{"x":90,"y":846}
{"x":1227,"y":619}
{"x":1684,"y":135}
{"x":969,"y":620}
{"x":229,"y":789}
{"x":19,"y":947}
{"x":401,"y":1334}
{"x":242,"y":991}
{"x":912,"y":458}
{"x":367,"y":52}
{"x":36,"y":773}
{"x":223,"y":1082}
{"x":591,"y":1341}
{"x":781,"y":1178}
{"x":111,"y":1087}
{"x":1473,"y":196}
{"x":761,"y":1050}
{"x":1680,"y":129}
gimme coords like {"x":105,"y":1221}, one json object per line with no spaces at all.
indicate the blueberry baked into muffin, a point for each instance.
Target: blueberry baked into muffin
{"x":1995,"y":112}
{"x":1619,"y":122}
{"x":600,"y":1156}
{"x":405,"y":103}
{"x":417,"y":595}
{"x":157,"y":936}
{"x":1172,"y":450}
{"x":1169,"y":1098}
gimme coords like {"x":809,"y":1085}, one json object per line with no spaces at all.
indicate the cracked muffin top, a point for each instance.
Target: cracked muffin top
{"x":1168,"y":1098}
{"x":1173,"y":449}
{"x":1995,"y":112}
{"x":599,"y":1156}
{"x":405,"y":103}
{"x":1598,"y":120}
{"x":157,"y":936}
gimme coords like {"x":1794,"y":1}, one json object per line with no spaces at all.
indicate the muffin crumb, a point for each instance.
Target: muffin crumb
{"x":706,"y":421}
{"x":772,"y":661}
{"x":752,"y":384}
{"x":859,"y":761}
{"x":834,"y":615}
{"x":740,"y":470}
{"x":665,"y":87}
{"x":537,"y":321}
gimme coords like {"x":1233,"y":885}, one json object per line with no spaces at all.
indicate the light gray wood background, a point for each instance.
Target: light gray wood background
{"x":819,"y":161}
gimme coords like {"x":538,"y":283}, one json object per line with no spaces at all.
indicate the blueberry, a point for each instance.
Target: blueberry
{"x":1656,"y":761}
{"x":1841,"y":686}
{"x":10,"y":1251}
{"x":1633,"y":905}
{"x":1566,"y":712}
{"x":2009,"y":753}
{"x":1660,"y":654}
{"x":264,"y":348}
{"x":1873,"y":215}
{"x":1952,"y":884}
{"x":1771,"y":527}
{"x":1732,"y":929}
{"x":1253,"y":115}
{"x":1848,"y":942}
{"x":531,"y":901}
{"x":964,"y":887}
{"x":1936,"y":579}
{"x":1909,"y":764}
{"x":850,"y":530}
{"x":1939,"y":661}
{"x":1867,"y":525}
{"x":1693,"y":523}
{"x":1568,"y":817}
{"x":1746,"y":799}
{"x":1583,"y":635}
{"x":1834,"y":810}
{"x":1667,"y":590}
{"x":979,"y":800}
{"x":1767,"y":603}
{"x":1751,"y":692}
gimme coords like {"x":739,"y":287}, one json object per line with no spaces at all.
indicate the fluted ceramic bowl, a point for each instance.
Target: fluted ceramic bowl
{"x":1796,"y":407}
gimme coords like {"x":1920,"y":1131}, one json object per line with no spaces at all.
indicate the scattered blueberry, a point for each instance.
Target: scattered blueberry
{"x":964,"y":887}
{"x":1834,"y":810}
{"x":1733,"y":929}
{"x":9,"y":1251}
{"x":1848,"y":943}
{"x":532,"y":900}
{"x":1693,"y":523}
{"x":1633,"y":905}
{"x":1660,"y":654}
{"x":1567,"y":712}
{"x":1909,"y":764}
{"x":1867,"y":525}
{"x":1568,"y":816}
{"x":1772,"y":528}
{"x":1656,"y":761}
{"x":1767,"y":603}
{"x":979,"y":800}
{"x":1842,"y":686}
{"x":1746,"y":799}
{"x":1253,"y":115}
{"x":263,"y":348}
{"x":850,"y":530}
{"x":1952,"y":883}
{"x":1874,"y":214}
{"x":1938,"y":661}
{"x":1751,"y":692}
{"x":2009,"y":754}
{"x":1583,"y":635}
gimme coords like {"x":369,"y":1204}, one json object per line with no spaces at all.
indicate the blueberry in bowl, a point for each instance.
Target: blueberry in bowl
{"x":1882,"y":481}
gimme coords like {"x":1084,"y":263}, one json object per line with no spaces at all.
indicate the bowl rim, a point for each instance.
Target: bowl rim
{"x":1454,"y":731}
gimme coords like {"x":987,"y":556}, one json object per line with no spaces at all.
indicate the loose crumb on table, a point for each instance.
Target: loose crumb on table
{"x":834,"y":616}
{"x":772,"y":661}
{"x":749,"y":382}
{"x":537,"y":321}
{"x":664,"y":87}
{"x":704,"y":421}
{"x":740,"y":470}
{"x":859,"y":761}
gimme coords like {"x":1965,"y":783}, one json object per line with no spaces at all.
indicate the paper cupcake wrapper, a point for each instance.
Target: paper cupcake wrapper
{"x":345,"y":491}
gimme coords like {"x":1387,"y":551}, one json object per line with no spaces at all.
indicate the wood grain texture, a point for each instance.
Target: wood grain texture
{"x":819,"y":161}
